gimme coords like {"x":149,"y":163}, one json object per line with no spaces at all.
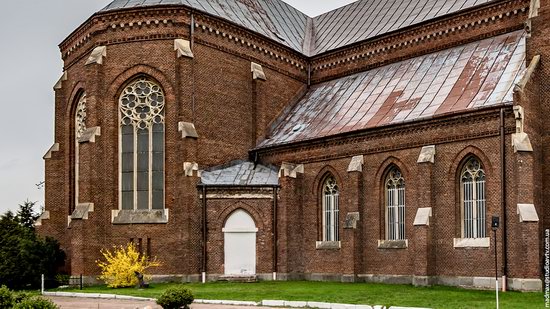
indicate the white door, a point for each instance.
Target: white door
{"x":240,"y":244}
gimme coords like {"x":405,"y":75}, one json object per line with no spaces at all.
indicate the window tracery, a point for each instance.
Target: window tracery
{"x":330,"y":209}
{"x":142,"y":105}
{"x":395,"y":205}
{"x":472,"y":185}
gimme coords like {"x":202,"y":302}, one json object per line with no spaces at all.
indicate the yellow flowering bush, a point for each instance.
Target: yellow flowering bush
{"x":119,"y":267}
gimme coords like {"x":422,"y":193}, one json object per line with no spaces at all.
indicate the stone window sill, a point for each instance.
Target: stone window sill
{"x":472,"y":242}
{"x":140,"y":216}
{"x":328,"y":245}
{"x":393,"y":244}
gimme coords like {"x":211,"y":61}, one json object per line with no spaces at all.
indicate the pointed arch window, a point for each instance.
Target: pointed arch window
{"x":472,"y":192}
{"x":330,"y":209}
{"x":395,"y":205}
{"x":80,"y":128}
{"x":142,"y":145}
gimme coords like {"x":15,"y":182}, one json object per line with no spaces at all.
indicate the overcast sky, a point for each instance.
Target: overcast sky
{"x":30,"y":64}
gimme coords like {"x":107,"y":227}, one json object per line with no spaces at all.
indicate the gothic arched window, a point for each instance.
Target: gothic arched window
{"x":472,"y":192}
{"x":395,"y":205}
{"x":142,"y":145}
{"x":330,"y":209}
{"x":79,"y":128}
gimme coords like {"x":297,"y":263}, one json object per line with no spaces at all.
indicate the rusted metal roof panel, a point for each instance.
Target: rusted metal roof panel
{"x":365,"y":19}
{"x":462,"y":78}
{"x":358,"y":21}
{"x":272,"y":18}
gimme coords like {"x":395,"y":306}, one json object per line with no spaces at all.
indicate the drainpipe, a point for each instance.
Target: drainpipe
{"x":204,"y":234}
{"x":192,"y":43}
{"x":275,"y":232}
{"x":503,"y":198}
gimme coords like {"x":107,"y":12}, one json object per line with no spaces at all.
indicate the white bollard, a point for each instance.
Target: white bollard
{"x":42,"y":284}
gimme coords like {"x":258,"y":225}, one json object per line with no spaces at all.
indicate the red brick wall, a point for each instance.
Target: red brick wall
{"x":231,"y":111}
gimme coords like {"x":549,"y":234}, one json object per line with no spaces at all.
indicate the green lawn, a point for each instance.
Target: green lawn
{"x":349,"y":293}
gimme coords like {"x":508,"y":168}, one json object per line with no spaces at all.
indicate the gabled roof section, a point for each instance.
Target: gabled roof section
{"x":241,"y":173}
{"x":459,"y":79}
{"x":272,"y":18}
{"x":356,"y":22}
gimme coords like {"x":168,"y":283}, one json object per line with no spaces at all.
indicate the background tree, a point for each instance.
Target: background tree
{"x":26,"y":214}
{"x":24,"y":255}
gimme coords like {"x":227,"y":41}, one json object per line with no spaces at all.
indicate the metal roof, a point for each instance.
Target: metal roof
{"x":352,"y":23}
{"x":458,"y":79}
{"x":272,"y":18}
{"x":366,"y":19}
{"x":241,"y":173}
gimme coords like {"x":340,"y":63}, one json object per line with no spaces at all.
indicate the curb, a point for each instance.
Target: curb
{"x":97,"y":295}
{"x":266,"y":303}
{"x":322,"y":305}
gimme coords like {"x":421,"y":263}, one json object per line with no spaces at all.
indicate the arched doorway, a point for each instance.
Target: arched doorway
{"x":240,"y":244}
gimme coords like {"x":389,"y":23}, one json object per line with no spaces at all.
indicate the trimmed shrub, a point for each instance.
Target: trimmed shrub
{"x":36,"y":303}
{"x":6,"y":298}
{"x":20,"y":296}
{"x":176,"y":298}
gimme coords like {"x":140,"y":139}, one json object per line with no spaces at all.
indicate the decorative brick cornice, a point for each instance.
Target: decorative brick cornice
{"x":403,"y":44}
{"x":178,"y":18}
{"x":477,"y":119}
{"x":356,"y":59}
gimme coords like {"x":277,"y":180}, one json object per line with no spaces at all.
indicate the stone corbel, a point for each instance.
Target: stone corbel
{"x":187,"y":129}
{"x":89,"y":135}
{"x":183,"y":48}
{"x":54,"y":148}
{"x":291,"y":170}
{"x":59,"y":83}
{"x":527,"y":213}
{"x":189,"y":167}
{"x":520,"y":140}
{"x":257,"y":71}
{"x":97,"y":55}
{"x":351,"y":220}
{"x":82,"y":210}
{"x":356,"y":164}
{"x":427,"y":155}
{"x":534,"y":8}
{"x":44,"y":216}
{"x":422,"y":217}
{"x":519,"y":87}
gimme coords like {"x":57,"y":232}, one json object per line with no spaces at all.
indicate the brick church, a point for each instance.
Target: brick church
{"x":245,"y":139}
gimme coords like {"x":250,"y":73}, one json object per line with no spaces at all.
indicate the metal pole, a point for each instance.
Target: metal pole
{"x":275,"y":233}
{"x":204,"y":234}
{"x":503,"y":198}
{"x":42,"y":284}
{"x":496,"y":266}
{"x":81,"y":282}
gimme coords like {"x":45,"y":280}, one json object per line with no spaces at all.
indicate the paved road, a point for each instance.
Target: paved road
{"x":95,"y":303}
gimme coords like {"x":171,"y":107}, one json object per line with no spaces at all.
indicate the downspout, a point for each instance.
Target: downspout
{"x":503,"y":198}
{"x":192,"y":45}
{"x":204,"y":234}
{"x":275,"y":233}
